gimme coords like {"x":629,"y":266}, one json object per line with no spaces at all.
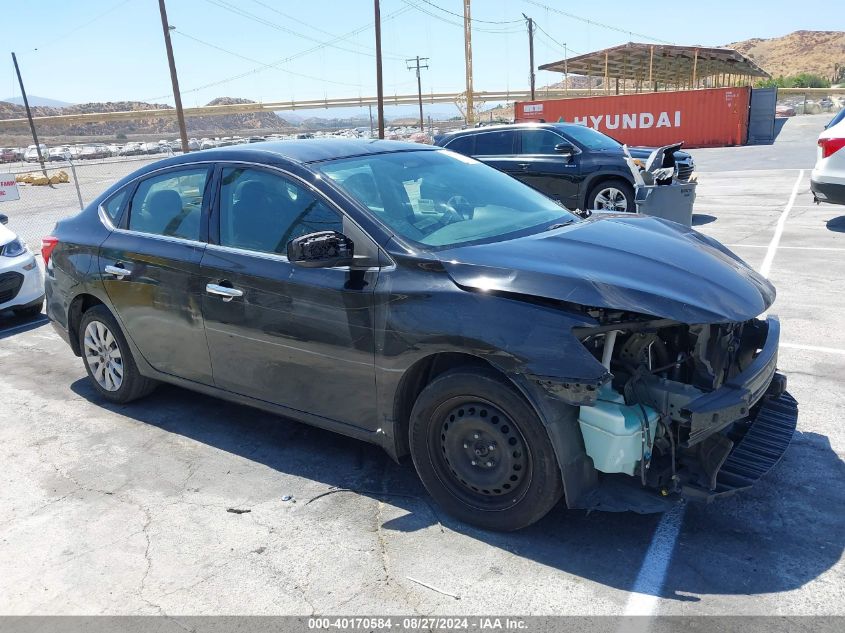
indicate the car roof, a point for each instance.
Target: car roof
{"x":303,"y":150}
{"x":511,"y":126}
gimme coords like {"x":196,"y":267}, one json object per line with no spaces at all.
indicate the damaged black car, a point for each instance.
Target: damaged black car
{"x":418,"y":299}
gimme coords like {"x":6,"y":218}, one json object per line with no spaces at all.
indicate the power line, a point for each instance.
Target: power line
{"x":263,"y":64}
{"x":563,"y":46}
{"x":255,"y":18}
{"x":595,"y":23}
{"x":282,"y":60}
{"x":460,"y":15}
{"x":67,"y":34}
{"x":460,"y":25}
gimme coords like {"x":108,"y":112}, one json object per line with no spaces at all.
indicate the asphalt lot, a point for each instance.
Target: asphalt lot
{"x":126,"y":509}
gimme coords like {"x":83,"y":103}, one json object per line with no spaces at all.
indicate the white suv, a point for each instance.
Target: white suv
{"x":828,"y":179}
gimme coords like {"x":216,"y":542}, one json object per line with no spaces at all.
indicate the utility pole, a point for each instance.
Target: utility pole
{"x":530,"y":53}
{"x":29,"y":116}
{"x":468,"y":58}
{"x":177,"y":97}
{"x":414,"y":64}
{"x":379,"y":84}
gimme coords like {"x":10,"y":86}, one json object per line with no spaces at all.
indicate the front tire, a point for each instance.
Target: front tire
{"x":612,"y":195}
{"x":482,"y":452}
{"x":108,"y":359}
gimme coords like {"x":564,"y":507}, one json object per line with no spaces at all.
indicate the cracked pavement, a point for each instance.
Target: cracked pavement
{"x":125,"y":509}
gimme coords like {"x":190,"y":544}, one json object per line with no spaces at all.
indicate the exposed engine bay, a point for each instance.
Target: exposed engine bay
{"x":680,"y":399}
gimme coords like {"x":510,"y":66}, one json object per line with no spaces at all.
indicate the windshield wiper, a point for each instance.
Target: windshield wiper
{"x":559,"y":225}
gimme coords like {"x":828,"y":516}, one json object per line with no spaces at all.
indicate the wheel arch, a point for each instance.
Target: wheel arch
{"x":560,"y":419}
{"x":598,"y":179}
{"x":80,"y":305}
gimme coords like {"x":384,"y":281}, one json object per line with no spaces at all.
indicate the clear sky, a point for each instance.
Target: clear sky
{"x":110,"y":50}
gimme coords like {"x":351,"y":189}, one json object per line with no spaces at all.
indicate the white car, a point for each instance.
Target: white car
{"x":827,"y":181}
{"x":21,"y":280}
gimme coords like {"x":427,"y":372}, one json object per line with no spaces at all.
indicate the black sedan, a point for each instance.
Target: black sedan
{"x":580,"y":167}
{"x":415,"y":298}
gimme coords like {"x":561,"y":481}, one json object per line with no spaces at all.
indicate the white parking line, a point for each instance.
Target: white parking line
{"x":794,"y":248}
{"x":645,"y":593}
{"x":773,"y":245}
{"x":814,"y":348}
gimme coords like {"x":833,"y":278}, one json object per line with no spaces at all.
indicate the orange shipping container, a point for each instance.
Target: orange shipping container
{"x":713,"y":117}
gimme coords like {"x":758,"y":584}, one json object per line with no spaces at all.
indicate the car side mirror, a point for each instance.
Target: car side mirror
{"x":324,"y":249}
{"x":565,"y":149}
{"x":4,"y":219}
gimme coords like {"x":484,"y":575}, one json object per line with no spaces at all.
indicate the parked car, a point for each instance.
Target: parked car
{"x":21,"y":280}
{"x":31,"y":154}
{"x":59,"y":153}
{"x":94,"y":151}
{"x":7,"y":155}
{"x":132,"y":149}
{"x":577,"y":165}
{"x":827,"y":181}
{"x":420,"y":300}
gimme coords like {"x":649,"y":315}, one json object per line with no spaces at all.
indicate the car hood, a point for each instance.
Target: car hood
{"x":644,"y":152}
{"x":619,"y":261}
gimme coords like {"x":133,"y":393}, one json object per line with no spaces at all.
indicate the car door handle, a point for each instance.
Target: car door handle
{"x":222,"y":291}
{"x":523,"y":166}
{"x":118,"y":271}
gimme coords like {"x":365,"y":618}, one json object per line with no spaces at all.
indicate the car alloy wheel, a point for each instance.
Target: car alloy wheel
{"x":610,"y":199}
{"x":103,"y":356}
{"x":481,"y":455}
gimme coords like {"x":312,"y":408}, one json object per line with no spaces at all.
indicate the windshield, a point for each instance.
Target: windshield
{"x":590,"y":138}
{"x":439,"y":198}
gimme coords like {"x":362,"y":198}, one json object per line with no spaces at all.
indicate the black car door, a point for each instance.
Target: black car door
{"x":293,"y":336}
{"x":555,"y":174}
{"x":150,"y":269}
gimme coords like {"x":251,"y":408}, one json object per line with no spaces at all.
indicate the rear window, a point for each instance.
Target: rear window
{"x":463,"y":145}
{"x":114,"y":206}
{"x":170,"y":204}
{"x":494,"y":143}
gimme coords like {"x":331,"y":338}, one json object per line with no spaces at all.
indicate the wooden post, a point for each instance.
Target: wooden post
{"x":177,"y":97}
{"x":468,"y":59}
{"x":651,"y":68}
{"x":379,"y":82}
{"x":695,"y":70}
{"x":605,"y":73}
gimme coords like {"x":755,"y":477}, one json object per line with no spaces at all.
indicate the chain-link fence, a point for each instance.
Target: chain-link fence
{"x":60,"y":190}
{"x":809,"y":103}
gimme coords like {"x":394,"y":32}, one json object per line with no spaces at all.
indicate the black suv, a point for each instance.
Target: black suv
{"x":580,"y":167}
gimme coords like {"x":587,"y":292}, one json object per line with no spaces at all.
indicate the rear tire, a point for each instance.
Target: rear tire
{"x":482,"y":452}
{"x":108,"y":358}
{"x":612,"y":195}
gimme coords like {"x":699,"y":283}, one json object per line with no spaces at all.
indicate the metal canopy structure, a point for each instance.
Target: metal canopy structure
{"x":653,"y":64}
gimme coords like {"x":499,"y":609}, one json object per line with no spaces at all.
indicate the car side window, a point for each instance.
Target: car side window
{"x":114,"y":205}
{"x":170,"y":204}
{"x":495,"y":143}
{"x":263,"y":211}
{"x":539,"y":141}
{"x":463,"y":145}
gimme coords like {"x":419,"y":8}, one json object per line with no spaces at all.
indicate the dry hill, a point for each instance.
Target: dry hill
{"x":799,"y":52}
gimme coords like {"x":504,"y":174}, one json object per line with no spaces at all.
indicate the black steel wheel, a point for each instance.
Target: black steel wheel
{"x":482,"y":452}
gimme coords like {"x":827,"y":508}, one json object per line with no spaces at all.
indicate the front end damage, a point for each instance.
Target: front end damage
{"x":695,"y":411}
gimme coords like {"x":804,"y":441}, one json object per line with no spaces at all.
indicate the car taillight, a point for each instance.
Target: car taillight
{"x":47,"y":245}
{"x":831,"y":145}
